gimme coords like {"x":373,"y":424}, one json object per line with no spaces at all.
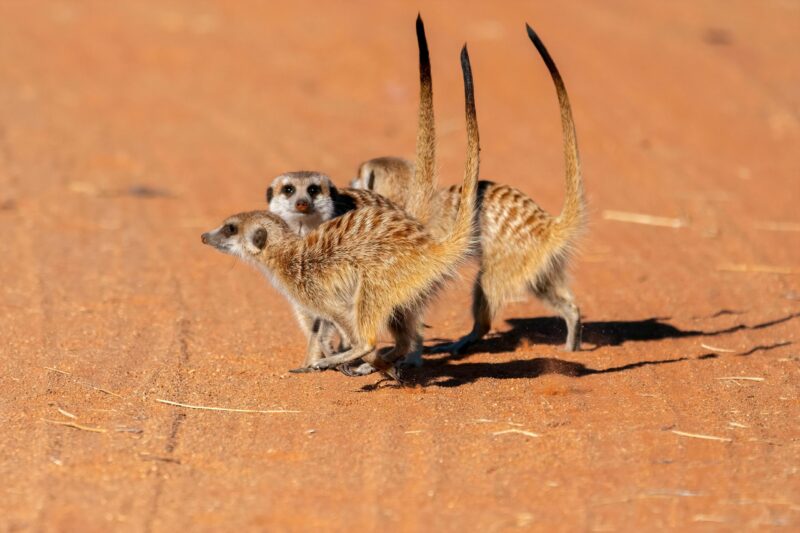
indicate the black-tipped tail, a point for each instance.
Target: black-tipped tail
{"x":423,"y":183}
{"x":469,"y":89}
{"x":574,"y":211}
{"x":424,"y":54}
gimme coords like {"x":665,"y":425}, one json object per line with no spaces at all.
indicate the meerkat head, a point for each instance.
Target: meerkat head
{"x":248,"y":235}
{"x":303,"y":199}
{"x":387,"y":176}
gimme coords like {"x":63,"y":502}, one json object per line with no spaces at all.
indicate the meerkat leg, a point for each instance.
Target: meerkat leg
{"x":341,"y":358}
{"x":368,"y":312}
{"x":316,"y":348}
{"x":483,"y":311}
{"x":557,"y":295}
{"x":406,"y":328}
{"x":310,"y":326}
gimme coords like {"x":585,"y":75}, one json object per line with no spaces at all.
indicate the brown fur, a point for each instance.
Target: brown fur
{"x":330,"y":202}
{"x":360,"y":270}
{"x":522,"y":247}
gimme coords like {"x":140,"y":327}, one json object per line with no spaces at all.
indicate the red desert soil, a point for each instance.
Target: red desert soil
{"x":128,"y":128}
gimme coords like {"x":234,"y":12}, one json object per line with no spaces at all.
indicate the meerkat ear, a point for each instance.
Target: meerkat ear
{"x":259,"y":238}
{"x":269,"y":194}
{"x":371,"y":180}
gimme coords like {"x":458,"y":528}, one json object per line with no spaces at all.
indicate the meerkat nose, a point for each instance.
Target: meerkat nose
{"x":302,"y":205}
{"x":204,"y":238}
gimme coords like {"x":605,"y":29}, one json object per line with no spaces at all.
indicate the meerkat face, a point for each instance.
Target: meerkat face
{"x":303,"y":199}
{"x":247,"y":235}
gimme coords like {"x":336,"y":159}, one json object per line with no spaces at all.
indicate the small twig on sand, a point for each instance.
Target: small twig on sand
{"x":740,"y":378}
{"x":204,"y":407}
{"x":74,"y":425}
{"x":760,"y":269}
{"x":66,"y":413}
{"x":648,"y":220}
{"x":50,"y":368}
{"x":778,"y":226}
{"x":699,"y":436}
{"x":84,"y":383}
{"x":521,"y":432}
{"x":148,"y":457}
{"x":715,"y":349}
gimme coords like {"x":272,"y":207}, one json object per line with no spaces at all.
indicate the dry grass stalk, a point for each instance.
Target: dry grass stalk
{"x":761,"y":269}
{"x":226,"y":409}
{"x":84,"y":383}
{"x":716,"y":349}
{"x":74,"y":425}
{"x":740,"y":378}
{"x":699,"y":436}
{"x":66,"y":413}
{"x":50,"y":368}
{"x":520,"y":431}
{"x":647,"y":220}
{"x":778,"y":226}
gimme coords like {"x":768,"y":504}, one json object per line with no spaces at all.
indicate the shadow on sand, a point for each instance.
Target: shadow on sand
{"x":439,"y":372}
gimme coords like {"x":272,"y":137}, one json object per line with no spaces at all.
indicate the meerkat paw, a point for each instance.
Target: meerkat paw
{"x":572,"y":347}
{"x":356,"y":370}
{"x":454,"y":348}
{"x":412,"y":360}
{"x":304,"y":370}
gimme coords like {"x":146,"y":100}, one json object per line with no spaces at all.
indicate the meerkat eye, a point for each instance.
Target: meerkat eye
{"x":288,"y":190}
{"x":313,"y":190}
{"x":229,"y":230}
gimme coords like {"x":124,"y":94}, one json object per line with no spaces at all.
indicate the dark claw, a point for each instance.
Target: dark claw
{"x":347,"y":369}
{"x":303,"y":370}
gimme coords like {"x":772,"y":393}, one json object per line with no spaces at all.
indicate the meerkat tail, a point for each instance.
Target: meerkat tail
{"x":573,"y":213}
{"x":462,"y":230}
{"x":423,"y":181}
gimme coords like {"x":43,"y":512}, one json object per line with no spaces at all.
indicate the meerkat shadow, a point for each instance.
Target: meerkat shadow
{"x":596,"y":334}
{"x":443,"y":374}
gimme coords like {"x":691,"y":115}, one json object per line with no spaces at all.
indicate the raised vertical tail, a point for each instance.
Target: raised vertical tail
{"x":423,"y":181}
{"x":462,"y":229}
{"x":573,"y":213}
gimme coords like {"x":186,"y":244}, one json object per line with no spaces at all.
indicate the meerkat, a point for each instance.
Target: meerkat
{"x":306,"y":199}
{"x":521,"y":248}
{"x":360,"y":270}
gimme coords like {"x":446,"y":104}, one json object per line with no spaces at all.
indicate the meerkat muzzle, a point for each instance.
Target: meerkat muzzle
{"x":204,"y":238}
{"x":302,"y":206}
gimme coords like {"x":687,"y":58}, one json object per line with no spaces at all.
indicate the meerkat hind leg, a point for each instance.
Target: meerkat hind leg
{"x":557,"y":295}
{"x":482,"y":313}
{"x":404,"y":327}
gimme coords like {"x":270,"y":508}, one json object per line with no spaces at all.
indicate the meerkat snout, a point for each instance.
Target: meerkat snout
{"x":302,"y":205}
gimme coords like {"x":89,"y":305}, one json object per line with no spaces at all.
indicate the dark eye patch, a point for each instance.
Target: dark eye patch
{"x":229,"y":230}
{"x":371,"y":180}
{"x":288,"y":190}
{"x":313,"y":190}
{"x":259,"y":238}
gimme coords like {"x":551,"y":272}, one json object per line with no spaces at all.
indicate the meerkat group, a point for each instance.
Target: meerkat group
{"x":522,"y":248}
{"x":356,"y":261}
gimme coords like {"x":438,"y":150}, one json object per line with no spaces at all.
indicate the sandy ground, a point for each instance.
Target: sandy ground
{"x":127,"y":128}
